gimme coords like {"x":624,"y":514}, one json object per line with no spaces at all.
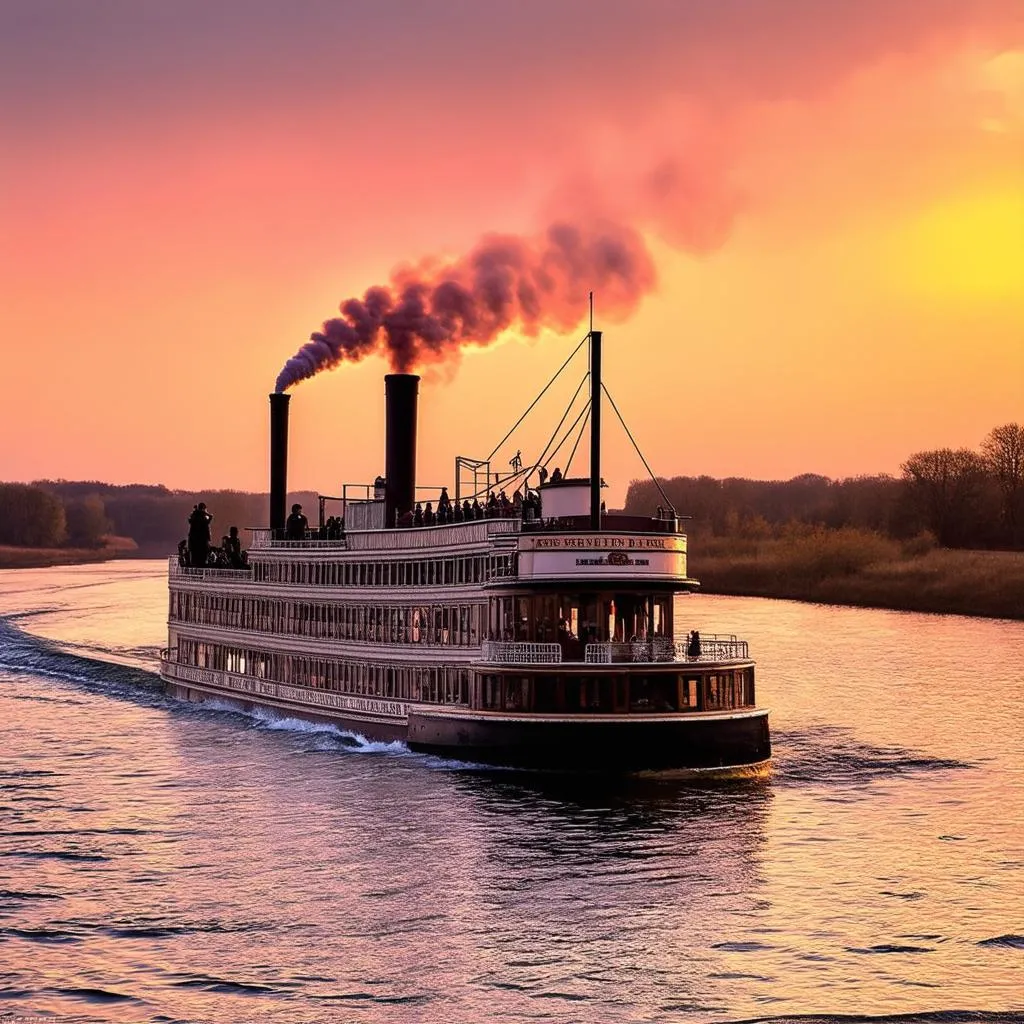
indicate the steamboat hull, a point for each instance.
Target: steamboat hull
{"x":722,"y":746}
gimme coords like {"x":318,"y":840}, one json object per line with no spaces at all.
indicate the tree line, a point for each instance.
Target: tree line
{"x":962,"y":497}
{"x":81,"y":514}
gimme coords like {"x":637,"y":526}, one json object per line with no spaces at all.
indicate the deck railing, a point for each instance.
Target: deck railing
{"x":712,"y":648}
{"x":508,"y":652}
{"x":716,"y":647}
{"x":263,"y":537}
{"x":451,"y":534}
{"x":209,"y":572}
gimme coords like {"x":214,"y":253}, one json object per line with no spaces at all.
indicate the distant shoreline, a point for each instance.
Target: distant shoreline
{"x":12,"y":557}
{"x":980,"y":584}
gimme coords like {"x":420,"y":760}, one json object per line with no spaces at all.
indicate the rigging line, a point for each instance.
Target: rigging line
{"x":585,"y":411}
{"x":501,"y":482}
{"x":579,"y":437}
{"x":540,"y":460}
{"x":538,"y":398}
{"x":661,"y":490}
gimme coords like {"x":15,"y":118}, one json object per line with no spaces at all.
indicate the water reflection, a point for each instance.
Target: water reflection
{"x":160,"y":859}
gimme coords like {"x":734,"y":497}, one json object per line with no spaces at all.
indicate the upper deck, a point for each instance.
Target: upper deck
{"x":556,"y":551}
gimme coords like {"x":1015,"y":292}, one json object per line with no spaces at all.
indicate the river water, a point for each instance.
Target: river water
{"x":165,"y":862}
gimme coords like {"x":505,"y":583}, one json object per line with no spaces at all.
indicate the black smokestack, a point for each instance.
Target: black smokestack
{"x":400,"y":392}
{"x":278,"y":459}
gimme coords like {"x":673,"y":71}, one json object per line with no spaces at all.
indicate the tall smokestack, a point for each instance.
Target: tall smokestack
{"x":278,"y":459}
{"x":400,"y":392}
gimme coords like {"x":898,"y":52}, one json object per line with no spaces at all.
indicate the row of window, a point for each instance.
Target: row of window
{"x":432,"y":683}
{"x":422,"y":572}
{"x":450,"y":625}
{"x":643,"y":694}
{"x":616,"y":694}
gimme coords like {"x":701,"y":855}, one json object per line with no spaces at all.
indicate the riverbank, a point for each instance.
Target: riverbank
{"x":12,"y":557}
{"x":862,"y":569}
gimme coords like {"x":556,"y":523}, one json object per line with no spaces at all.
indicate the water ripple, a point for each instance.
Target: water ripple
{"x":177,"y":863}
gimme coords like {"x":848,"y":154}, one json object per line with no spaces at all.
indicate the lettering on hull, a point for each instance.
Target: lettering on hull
{"x":298,"y":695}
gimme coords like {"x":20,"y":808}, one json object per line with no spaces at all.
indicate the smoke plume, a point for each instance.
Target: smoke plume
{"x":427,"y":314}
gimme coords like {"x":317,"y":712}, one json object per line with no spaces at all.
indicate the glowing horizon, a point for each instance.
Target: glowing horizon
{"x":832,"y":198}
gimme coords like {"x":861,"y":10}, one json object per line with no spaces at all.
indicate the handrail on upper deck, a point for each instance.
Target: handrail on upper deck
{"x":206,"y":572}
{"x":713,"y":648}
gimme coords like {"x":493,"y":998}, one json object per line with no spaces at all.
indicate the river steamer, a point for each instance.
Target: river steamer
{"x":542,"y":635}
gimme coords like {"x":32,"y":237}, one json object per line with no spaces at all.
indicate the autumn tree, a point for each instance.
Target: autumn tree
{"x":30,"y":517}
{"x":87,"y":521}
{"x":946,"y":486}
{"x":1003,"y":452}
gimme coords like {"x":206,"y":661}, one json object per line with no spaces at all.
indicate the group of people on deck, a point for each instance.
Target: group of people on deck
{"x":198,"y":552}
{"x":296,"y":527}
{"x":497,"y":506}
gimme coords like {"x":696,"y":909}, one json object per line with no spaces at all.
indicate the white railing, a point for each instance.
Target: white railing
{"x":415,"y":537}
{"x":509,"y":652}
{"x":712,"y":648}
{"x":263,"y":538}
{"x":175,"y":568}
{"x":374,"y":539}
{"x":715,"y":648}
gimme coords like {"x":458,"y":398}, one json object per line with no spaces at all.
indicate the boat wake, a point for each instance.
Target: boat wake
{"x":24,"y":654}
{"x":324,"y":736}
{"x":834,"y":756}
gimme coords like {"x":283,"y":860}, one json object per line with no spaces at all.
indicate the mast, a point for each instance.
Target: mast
{"x":595,"y":430}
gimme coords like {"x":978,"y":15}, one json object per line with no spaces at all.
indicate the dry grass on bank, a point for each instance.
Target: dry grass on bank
{"x":36,"y":558}
{"x":858,"y":567}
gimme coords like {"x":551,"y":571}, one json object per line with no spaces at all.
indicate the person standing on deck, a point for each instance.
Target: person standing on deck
{"x":199,"y":535}
{"x":233,"y":547}
{"x":297,"y":524}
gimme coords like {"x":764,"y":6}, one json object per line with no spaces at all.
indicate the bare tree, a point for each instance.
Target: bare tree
{"x":1003,"y":452}
{"x":945,"y":485}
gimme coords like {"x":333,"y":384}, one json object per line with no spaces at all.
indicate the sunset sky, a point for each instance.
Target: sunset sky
{"x":831,"y":193}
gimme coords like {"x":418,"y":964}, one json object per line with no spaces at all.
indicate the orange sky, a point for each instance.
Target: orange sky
{"x":187,"y":190}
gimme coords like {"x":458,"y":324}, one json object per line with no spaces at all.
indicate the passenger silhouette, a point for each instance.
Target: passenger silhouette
{"x":199,"y":534}
{"x":233,"y":547}
{"x":296,"y":525}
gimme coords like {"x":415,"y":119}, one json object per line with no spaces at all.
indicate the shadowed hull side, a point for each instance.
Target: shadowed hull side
{"x":728,"y":745}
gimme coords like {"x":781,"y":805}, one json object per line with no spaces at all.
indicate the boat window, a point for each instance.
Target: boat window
{"x":689,"y":689}
{"x":514,"y":694}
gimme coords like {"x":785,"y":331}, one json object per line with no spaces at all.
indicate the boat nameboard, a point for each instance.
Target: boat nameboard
{"x":597,"y":554}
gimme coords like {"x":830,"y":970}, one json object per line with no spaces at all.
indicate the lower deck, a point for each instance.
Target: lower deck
{"x":487,"y":683}
{"x":632,"y":739}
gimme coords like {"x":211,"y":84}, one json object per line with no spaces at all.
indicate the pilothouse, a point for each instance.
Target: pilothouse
{"x":513,"y":621}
